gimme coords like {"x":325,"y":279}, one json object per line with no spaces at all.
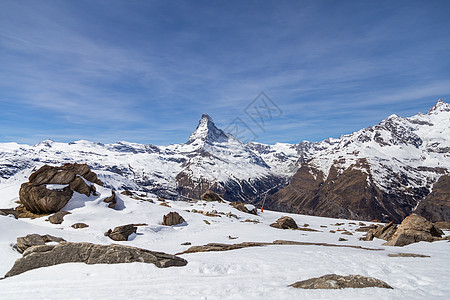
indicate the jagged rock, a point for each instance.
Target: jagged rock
{"x":37,"y":197}
{"x":414,"y":229}
{"x":121,"y":233}
{"x":211,"y":196}
{"x":25,"y":242}
{"x":58,"y":217}
{"x":285,"y":223}
{"x":241,"y":207}
{"x":50,"y":255}
{"x":172,"y":218}
{"x":111,"y":200}
{"x":333,"y":281}
{"x":382,"y":232}
{"x":80,"y":225}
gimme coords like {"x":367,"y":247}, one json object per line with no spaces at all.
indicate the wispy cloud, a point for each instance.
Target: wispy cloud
{"x":146,"y":71}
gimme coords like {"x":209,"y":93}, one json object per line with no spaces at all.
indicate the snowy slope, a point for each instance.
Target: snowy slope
{"x":250,"y":273}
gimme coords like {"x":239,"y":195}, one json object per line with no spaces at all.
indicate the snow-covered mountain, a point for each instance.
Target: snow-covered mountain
{"x":381,"y":172}
{"x":210,"y":159}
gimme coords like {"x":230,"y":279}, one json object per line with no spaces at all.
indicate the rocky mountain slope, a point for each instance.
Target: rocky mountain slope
{"x":380,"y":172}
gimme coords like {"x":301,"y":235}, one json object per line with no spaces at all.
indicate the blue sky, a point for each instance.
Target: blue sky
{"x":145,"y":71}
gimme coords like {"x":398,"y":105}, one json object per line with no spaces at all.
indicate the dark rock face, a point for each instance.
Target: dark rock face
{"x":333,"y":281}
{"x":350,"y":195}
{"x":58,"y":218}
{"x":436,"y":206}
{"x":241,"y":207}
{"x":414,"y":229}
{"x":23,"y":243}
{"x":37,"y":198}
{"x":172,"y":218}
{"x":121,"y":233}
{"x":211,"y":196}
{"x":50,"y":255}
{"x":285,"y":223}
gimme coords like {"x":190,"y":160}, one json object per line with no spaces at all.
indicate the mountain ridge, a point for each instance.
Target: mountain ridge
{"x":404,"y":155}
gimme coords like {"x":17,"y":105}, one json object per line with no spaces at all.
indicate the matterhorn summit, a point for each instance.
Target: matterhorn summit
{"x":207,"y":132}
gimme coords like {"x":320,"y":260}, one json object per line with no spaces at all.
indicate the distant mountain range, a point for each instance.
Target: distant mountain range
{"x":381,"y":172}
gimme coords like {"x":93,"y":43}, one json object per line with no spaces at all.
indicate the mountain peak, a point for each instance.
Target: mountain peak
{"x":440,"y":106}
{"x":207,"y":131}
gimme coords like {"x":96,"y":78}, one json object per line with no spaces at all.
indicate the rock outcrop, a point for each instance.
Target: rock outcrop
{"x":333,"y":281}
{"x":50,"y":188}
{"x":121,"y":233}
{"x":285,"y":223}
{"x":414,"y":229}
{"x":172,"y":218}
{"x":25,"y":242}
{"x":50,"y":255}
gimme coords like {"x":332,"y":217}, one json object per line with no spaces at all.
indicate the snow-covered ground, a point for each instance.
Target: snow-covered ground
{"x":249,"y":273}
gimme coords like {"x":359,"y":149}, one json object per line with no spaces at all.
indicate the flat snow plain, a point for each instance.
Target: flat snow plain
{"x":249,"y":273}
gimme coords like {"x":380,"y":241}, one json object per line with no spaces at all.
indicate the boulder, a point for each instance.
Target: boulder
{"x":211,"y":196}
{"x":241,"y":207}
{"x":50,"y":255}
{"x":172,"y":218}
{"x":37,"y":197}
{"x":121,"y":233}
{"x":80,"y":225}
{"x":25,"y":242}
{"x":414,"y":229}
{"x":58,"y":217}
{"x":285,"y":223}
{"x":333,"y":281}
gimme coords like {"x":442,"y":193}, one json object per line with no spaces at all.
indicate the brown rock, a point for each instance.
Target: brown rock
{"x":121,"y":233}
{"x":172,"y":218}
{"x":382,"y":232}
{"x":58,"y":217}
{"x":407,"y":255}
{"x":23,"y":243}
{"x":80,"y":225}
{"x":80,"y":186}
{"x":241,"y":207}
{"x":211,"y":196}
{"x":111,"y":200}
{"x":414,"y":229}
{"x":333,"y":281}
{"x":285,"y":223}
{"x":45,"y":256}
{"x":39,"y":199}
